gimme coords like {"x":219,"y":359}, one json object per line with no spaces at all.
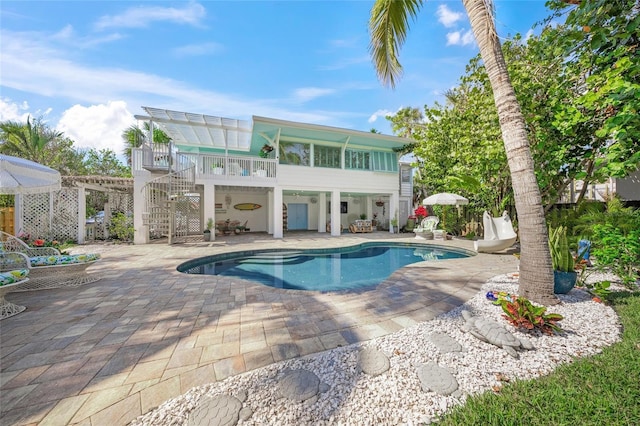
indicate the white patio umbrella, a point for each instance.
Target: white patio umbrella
{"x":445,"y":199}
{"x":20,"y":176}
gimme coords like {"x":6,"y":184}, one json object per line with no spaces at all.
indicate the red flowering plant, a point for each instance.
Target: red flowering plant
{"x":420,"y":213}
{"x":40,"y":242}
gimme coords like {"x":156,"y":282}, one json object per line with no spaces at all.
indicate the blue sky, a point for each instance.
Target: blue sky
{"x":86,"y":67}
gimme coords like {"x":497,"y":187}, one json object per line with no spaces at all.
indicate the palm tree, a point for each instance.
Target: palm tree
{"x":134,"y":137}
{"x":388,"y":25}
{"x":32,"y":141}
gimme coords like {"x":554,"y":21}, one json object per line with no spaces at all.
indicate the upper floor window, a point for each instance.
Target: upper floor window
{"x":405,"y":175}
{"x":355,"y":159}
{"x":326,"y":156}
{"x":371,"y":160}
{"x":384,"y":161}
{"x":294,"y":153}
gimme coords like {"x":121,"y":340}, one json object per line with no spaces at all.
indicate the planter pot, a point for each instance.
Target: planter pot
{"x":563,"y":282}
{"x":206,"y":236}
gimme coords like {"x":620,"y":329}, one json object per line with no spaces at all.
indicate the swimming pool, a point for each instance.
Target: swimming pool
{"x":348,"y":268}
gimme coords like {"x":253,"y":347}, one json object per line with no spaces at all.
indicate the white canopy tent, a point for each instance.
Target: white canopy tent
{"x":20,"y":176}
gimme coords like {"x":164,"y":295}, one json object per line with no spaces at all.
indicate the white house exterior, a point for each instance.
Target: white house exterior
{"x":214,"y":169}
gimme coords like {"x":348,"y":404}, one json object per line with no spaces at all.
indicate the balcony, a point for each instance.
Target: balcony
{"x":207,"y":166}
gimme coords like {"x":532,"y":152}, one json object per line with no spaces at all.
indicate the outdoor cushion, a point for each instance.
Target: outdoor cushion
{"x":11,"y":277}
{"x":63,"y":259}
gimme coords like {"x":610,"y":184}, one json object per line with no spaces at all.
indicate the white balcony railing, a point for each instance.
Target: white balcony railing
{"x":216,"y":167}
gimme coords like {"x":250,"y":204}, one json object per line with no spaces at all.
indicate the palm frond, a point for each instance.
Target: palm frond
{"x":388,"y":26}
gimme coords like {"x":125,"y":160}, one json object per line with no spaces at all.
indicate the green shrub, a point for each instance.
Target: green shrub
{"x":617,"y":251}
{"x":121,"y":227}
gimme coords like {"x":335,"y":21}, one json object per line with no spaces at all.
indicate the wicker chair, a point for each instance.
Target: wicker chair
{"x":9,"y":281}
{"x":48,"y":268}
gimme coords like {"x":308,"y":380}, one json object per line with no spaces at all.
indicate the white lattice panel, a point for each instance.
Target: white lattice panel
{"x":51,"y":216}
{"x":64,"y":225}
{"x":36,"y":216}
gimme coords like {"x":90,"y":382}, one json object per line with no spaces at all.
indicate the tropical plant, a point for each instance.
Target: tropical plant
{"x":599,"y":289}
{"x":134,"y":137}
{"x":618,"y":251}
{"x":561,"y":256}
{"x":209,"y":225}
{"x":35,"y":141}
{"x":523,"y":314}
{"x":388,"y":27}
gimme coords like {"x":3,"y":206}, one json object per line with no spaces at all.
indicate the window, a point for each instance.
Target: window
{"x":360,"y":160}
{"x":294,"y":153}
{"x":367,"y":160}
{"x":326,"y":156}
{"x":385,"y":161}
{"x":406,"y":175}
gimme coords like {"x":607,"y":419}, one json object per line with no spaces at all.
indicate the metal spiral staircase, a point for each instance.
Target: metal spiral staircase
{"x":167,"y":199}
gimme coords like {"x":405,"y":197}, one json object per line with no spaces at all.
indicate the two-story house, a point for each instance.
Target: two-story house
{"x":266,"y":175}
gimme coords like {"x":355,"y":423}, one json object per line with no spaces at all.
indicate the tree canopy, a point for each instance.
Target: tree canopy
{"x":580,"y":101}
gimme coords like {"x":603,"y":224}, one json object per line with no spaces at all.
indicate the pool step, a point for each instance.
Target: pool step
{"x":283,"y":258}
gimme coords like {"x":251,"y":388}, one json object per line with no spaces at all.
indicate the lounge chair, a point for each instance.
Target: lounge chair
{"x":424,"y":231}
{"x":498,"y":234}
{"x":9,"y":281}
{"x":48,"y":268}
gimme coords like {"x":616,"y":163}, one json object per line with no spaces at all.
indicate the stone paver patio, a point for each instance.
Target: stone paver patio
{"x":108,"y":351}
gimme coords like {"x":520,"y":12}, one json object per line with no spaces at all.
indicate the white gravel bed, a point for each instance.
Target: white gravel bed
{"x":395,"y":397}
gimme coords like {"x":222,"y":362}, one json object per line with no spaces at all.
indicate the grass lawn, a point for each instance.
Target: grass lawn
{"x":599,"y":390}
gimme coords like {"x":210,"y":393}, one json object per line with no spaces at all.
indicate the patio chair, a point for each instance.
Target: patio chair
{"x":48,"y":268}
{"x":9,"y":281}
{"x":424,"y":231}
{"x":498,"y":234}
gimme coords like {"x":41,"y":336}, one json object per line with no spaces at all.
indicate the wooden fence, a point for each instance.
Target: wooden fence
{"x":6,"y":220}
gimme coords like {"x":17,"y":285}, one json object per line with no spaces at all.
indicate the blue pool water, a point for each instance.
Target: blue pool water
{"x":365,"y":265}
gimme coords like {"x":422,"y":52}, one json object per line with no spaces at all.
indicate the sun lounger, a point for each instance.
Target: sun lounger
{"x":9,"y":281}
{"x":48,"y":268}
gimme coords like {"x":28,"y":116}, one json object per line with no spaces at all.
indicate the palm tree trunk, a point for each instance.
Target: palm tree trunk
{"x":536,"y":274}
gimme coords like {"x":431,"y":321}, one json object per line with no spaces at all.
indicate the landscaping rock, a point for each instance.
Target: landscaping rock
{"x":445,"y":343}
{"x":373,"y":362}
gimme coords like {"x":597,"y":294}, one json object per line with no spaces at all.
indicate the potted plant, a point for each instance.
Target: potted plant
{"x":265,"y":150}
{"x":363,"y":216}
{"x":394,"y":223}
{"x":564,"y":274}
{"x":206,"y":234}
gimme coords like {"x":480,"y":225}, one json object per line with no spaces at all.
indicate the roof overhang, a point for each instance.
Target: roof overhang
{"x":200,"y":130}
{"x":188,"y":131}
{"x":268,"y":129}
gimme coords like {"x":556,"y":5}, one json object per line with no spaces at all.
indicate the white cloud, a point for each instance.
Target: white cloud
{"x":306,"y":94}
{"x":10,"y":111}
{"x":447,"y":17}
{"x":141,"y":17}
{"x":381,"y":113}
{"x":97,"y":126}
{"x":460,"y":38}
{"x":198,"y":49}
{"x":29,"y":64}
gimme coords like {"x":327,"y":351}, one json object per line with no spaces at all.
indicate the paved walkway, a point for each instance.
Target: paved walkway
{"x":106,"y":352}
